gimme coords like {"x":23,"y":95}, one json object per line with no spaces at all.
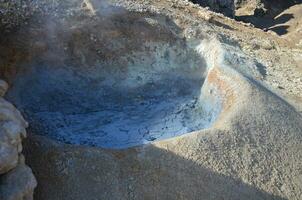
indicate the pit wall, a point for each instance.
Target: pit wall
{"x":228,"y":77}
{"x":17,"y":181}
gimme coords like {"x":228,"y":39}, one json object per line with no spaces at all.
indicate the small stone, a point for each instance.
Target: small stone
{"x":14,"y":130}
{"x":8,"y":157}
{"x":18,"y":183}
{"x":3,"y":87}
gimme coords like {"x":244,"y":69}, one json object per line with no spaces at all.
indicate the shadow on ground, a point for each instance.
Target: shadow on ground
{"x":268,"y":23}
{"x":153,"y":173}
{"x":272,"y":20}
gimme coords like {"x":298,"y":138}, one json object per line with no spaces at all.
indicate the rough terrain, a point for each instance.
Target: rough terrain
{"x":252,"y":149}
{"x":16,"y":180}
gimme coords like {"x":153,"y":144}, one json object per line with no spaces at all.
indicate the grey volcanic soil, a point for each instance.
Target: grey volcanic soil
{"x":150,"y":93}
{"x":113,"y":108}
{"x":251,"y":151}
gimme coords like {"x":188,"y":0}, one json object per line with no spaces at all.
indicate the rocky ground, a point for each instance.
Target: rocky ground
{"x":259,"y":143}
{"x":274,"y":39}
{"x":17,"y":180}
{"x":282,"y":22}
{"x":279,"y":56}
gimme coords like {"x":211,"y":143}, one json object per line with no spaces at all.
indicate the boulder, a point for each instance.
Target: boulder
{"x":18,"y":184}
{"x":17,"y":181}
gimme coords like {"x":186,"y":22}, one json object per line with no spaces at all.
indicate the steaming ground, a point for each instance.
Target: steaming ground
{"x":152,"y":98}
{"x":112,"y":117}
{"x":121,"y":126}
{"x":252,"y":151}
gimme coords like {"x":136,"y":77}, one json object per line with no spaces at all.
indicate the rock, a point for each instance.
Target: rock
{"x":18,"y":184}
{"x":3,"y":88}
{"x":238,"y":3}
{"x":12,"y":129}
{"x":9,"y":113}
{"x":16,"y":181}
{"x":8,"y":156}
{"x":260,"y":11}
{"x":205,"y":15}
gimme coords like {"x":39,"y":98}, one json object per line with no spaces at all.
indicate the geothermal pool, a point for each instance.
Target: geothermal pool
{"x":138,"y":88}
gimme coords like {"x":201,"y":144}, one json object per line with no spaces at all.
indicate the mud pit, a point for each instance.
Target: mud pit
{"x":126,"y":80}
{"x":117,"y":78}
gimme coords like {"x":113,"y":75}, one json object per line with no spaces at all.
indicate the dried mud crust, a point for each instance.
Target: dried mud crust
{"x":122,"y":79}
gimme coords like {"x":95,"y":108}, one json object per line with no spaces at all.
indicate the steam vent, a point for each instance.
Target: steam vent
{"x":123,"y":81}
{"x":141,"y":100}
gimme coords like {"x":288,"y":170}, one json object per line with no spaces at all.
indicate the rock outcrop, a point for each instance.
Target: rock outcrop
{"x":17,"y":181}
